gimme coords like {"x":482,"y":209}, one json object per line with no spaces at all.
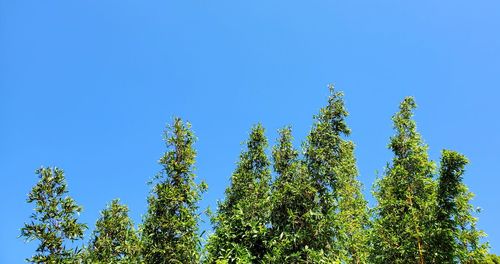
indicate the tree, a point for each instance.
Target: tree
{"x":457,"y":239}
{"x":405,"y":195}
{"x":342,"y":225}
{"x":114,"y":240}
{"x":240,"y":224}
{"x":54,"y":222}
{"x":170,"y":228}
{"x":293,"y":206}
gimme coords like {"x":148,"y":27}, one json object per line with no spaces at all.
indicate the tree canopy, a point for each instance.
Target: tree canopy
{"x":284,"y":204}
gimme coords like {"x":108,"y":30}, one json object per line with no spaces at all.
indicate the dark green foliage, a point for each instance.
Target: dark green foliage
{"x":452,"y":169}
{"x":114,"y":239}
{"x":54,"y":221}
{"x":293,"y":205}
{"x":240,"y":224}
{"x":456,"y":238}
{"x":170,"y":228}
{"x":405,"y":195}
{"x":342,"y":215}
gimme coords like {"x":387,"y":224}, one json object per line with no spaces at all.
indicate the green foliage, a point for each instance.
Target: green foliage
{"x":54,"y":221}
{"x":492,"y":259}
{"x":343,"y":213}
{"x":240,"y":224}
{"x":114,"y":239}
{"x":457,"y":239}
{"x":293,"y":204}
{"x":420,"y":219}
{"x":405,"y":195}
{"x":170,"y":228}
{"x":313,"y":212}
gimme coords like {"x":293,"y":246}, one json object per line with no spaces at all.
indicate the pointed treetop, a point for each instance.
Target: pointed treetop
{"x":254,"y":157}
{"x":284,"y":153}
{"x":407,"y":139}
{"x":257,"y":140}
{"x":54,"y":221}
{"x":334,"y":113}
{"x":170,"y":227}
{"x":180,"y":155}
{"x":114,"y":239}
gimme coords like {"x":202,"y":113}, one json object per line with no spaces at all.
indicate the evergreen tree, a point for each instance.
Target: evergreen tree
{"x":240,"y":224}
{"x":343,"y":219}
{"x":293,"y":205}
{"x":114,"y":240}
{"x":170,"y":228}
{"x":54,"y":222}
{"x":405,"y":195}
{"x":457,"y":239}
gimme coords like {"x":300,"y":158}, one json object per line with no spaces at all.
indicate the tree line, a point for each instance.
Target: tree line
{"x":296,"y":206}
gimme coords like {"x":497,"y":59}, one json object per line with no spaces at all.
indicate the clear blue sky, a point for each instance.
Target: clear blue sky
{"x":89,"y":86}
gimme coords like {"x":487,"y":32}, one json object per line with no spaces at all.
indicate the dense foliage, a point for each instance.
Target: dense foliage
{"x":240,"y":224}
{"x":114,"y":239}
{"x":292,"y":206}
{"x":294,"y":211}
{"x":343,"y":212}
{"x":402,"y":228}
{"x":456,"y":236}
{"x":418,"y":218}
{"x":170,"y":228}
{"x":492,"y":259}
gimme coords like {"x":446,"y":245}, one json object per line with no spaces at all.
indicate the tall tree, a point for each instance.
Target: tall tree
{"x":457,"y":239}
{"x":114,"y":239}
{"x":54,"y":222}
{"x":405,"y":196}
{"x":240,"y":224}
{"x":170,"y":228}
{"x":294,"y":210}
{"x":342,"y":228}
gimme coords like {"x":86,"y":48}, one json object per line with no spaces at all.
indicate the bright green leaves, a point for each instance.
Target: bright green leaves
{"x":241,"y":220}
{"x":54,"y":221}
{"x":313,"y":211}
{"x":492,"y":259}
{"x":170,"y":228}
{"x":293,"y":204}
{"x":114,"y":239}
{"x":318,"y":213}
{"x":405,"y":195}
{"x":419,"y":219}
{"x":407,"y":140}
{"x":332,"y":167}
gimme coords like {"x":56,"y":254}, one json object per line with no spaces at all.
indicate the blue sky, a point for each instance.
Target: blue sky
{"x":89,"y":86}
